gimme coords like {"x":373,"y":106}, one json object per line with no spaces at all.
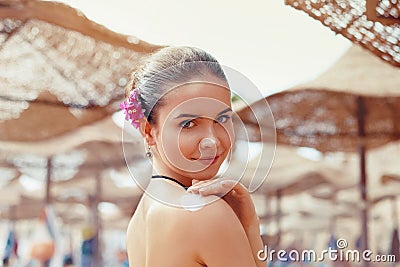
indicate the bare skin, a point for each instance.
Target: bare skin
{"x":170,"y":236}
{"x":239,"y":200}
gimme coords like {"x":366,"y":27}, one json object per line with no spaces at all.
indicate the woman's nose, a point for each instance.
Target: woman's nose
{"x":208,"y":142}
{"x":210,"y":136}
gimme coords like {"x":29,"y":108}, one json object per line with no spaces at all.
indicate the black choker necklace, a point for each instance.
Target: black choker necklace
{"x":171,"y":179}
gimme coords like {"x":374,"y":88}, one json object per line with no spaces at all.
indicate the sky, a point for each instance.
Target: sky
{"x":272,"y":44}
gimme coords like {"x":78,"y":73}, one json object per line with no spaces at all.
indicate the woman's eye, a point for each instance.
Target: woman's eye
{"x":186,"y":124}
{"x":223,"y":119}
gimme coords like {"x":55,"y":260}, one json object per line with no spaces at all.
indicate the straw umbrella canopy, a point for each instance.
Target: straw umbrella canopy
{"x":9,"y":188}
{"x":62,"y":77}
{"x":80,"y":168}
{"x":80,"y":178}
{"x":104,"y":130}
{"x":328,"y":118}
{"x":58,"y":65}
{"x":290,"y":172}
{"x":351,"y":107}
{"x":290,"y":175}
{"x":72,"y":199}
{"x":373,"y":24}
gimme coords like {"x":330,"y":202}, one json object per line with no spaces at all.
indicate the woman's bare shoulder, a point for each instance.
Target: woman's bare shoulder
{"x":213,"y":222}
{"x":215,"y":216}
{"x":209,"y":235}
{"x":215,"y":211}
{"x":218,"y":237}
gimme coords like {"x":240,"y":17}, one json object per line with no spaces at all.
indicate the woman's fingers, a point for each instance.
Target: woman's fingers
{"x":207,"y":189}
{"x":196,"y":185}
{"x":239,"y":188}
{"x":194,"y":181}
{"x":214,"y":187}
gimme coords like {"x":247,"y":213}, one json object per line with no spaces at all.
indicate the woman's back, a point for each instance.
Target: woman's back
{"x":154,"y":239}
{"x":161,"y":235}
{"x":157,"y":236}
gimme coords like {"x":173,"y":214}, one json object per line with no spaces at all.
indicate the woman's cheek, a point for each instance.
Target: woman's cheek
{"x":226,"y":134}
{"x":170,"y":140}
{"x":188,"y":143}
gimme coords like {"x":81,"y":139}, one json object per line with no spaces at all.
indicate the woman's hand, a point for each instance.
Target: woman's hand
{"x":234,"y":193}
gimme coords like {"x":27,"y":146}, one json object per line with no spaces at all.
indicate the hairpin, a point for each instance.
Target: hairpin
{"x":133,"y":108}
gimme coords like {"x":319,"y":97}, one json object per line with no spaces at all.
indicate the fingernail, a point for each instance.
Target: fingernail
{"x":190,"y":190}
{"x":225,"y":183}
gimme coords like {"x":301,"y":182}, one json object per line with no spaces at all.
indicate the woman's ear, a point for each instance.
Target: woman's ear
{"x":146,"y":131}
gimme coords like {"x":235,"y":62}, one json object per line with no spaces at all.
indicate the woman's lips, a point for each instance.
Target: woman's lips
{"x":208,"y":161}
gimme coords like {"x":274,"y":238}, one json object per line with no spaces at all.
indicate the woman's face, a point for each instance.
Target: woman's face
{"x":194,"y":130}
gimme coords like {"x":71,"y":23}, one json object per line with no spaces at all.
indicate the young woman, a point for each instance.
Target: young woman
{"x":181,"y":103}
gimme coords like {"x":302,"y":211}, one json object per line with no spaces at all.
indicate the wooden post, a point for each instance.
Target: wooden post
{"x":48,"y":182}
{"x":363,"y":177}
{"x":97,"y":220}
{"x":278,"y":216}
{"x":395,"y":213}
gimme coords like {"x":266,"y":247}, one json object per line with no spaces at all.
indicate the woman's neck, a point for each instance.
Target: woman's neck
{"x":160,"y":169}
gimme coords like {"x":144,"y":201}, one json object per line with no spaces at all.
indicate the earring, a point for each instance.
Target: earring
{"x":148,"y":152}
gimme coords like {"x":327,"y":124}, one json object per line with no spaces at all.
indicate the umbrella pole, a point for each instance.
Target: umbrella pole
{"x":395,"y":213}
{"x":278,"y":216}
{"x":97,"y":221}
{"x":363,"y":176}
{"x":363,"y":188}
{"x":48,"y":182}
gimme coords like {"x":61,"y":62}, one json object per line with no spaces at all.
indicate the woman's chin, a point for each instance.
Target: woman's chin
{"x":200,"y":171}
{"x":206,"y":174}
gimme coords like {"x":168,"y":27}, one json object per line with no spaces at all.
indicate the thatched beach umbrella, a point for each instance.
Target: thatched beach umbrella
{"x":61,"y":77}
{"x":373,"y":24}
{"x":79,"y":176}
{"x":291,"y":175}
{"x":351,"y":107}
{"x":91,"y":168}
{"x":104,"y":130}
{"x":59,"y":70}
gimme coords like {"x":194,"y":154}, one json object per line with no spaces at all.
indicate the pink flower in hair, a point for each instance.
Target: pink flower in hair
{"x":133,"y":108}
